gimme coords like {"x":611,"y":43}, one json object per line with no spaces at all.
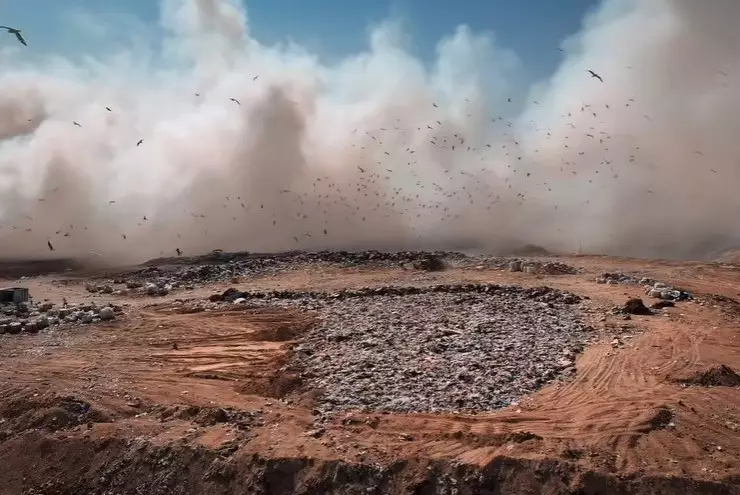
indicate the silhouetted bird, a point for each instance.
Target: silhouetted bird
{"x":16,"y":32}
{"x":51,"y":248}
{"x":594,"y":74}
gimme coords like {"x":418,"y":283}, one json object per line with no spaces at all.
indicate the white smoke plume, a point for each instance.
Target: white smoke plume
{"x":261,"y":148}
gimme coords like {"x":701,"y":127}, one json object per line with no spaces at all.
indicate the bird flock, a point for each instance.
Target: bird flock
{"x":388,"y":156}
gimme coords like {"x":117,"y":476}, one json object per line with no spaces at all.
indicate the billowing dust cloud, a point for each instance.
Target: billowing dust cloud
{"x":218,"y":141}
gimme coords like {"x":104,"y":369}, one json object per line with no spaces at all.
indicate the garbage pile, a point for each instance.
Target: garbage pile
{"x":541,"y":268}
{"x":653,"y":288}
{"x":30,"y":317}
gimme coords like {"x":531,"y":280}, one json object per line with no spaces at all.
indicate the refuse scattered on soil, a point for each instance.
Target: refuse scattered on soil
{"x":163,"y":276}
{"x":541,"y":268}
{"x":654,"y":289}
{"x":32,"y":317}
{"x":448,"y":348}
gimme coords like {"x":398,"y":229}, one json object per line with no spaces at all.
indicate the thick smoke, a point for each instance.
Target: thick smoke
{"x":247,"y":146}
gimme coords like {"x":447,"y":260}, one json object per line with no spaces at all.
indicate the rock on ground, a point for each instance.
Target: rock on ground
{"x":30,"y":317}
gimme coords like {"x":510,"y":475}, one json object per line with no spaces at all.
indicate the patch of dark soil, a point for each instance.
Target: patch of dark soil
{"x":178,"y":310}
{"x":210,"y":376}
{"x":430,"y":263}
{"x":48,"y":411}
{"x":523,"y":436}
{"x":16,"y":268}
{"x":659,"y":419}
{"x":283,"y":332}
{"x":662,"y":304}
{"x":209,"y":416}
{"x":573,"y":453}
{"x":635,"y":306}
{"x":717,"y":376}
{"x":276,"y":386}
{"x":730,"y":306}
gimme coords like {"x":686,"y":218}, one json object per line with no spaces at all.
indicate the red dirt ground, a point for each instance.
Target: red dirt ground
{"x":133,"y":406}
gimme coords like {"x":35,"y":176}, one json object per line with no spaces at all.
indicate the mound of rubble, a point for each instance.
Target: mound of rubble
{"x":463,"y":347}
{"x":30,"y":317}
{"x":621,"y":278}
{"x":654,"y":289}
{"x":187,"y":273}
{"x":542,"y":294}
{"x":541,"y":268}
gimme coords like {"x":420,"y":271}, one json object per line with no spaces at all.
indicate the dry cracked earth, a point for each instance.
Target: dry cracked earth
{"x":371,"y":373}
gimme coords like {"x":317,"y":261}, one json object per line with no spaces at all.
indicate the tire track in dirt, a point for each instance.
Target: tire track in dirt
{"x":615,"y":403}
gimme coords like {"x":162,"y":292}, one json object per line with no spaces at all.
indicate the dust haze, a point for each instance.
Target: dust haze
{"x":252,"y":147}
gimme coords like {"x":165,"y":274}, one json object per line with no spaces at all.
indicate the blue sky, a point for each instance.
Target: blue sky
{"x":334,"y":28}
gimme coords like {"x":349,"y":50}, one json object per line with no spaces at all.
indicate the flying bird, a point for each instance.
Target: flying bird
{"x":178,"y":251}
{"x":108,"y":108}
{"x":235,"y":101}
{"x":594,"y":74}
{"x":51,"y":248}
{"x":139,"y":143}
{"x":255,"y":77}
{"x":76,"y":123}
{"x":16,"y":32}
